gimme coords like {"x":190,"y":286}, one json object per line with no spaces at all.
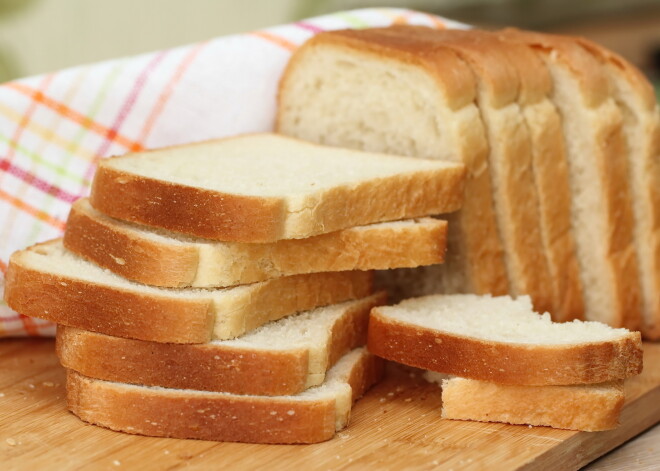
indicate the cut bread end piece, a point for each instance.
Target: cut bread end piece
{"x":267,"y":187}
{"x":48,"y":282}
{"x":502,"y":340}
{"x":167,"y":259}
{"x":309,"y":417}
{"x":280,"y":358}
{"x":589,"y":408}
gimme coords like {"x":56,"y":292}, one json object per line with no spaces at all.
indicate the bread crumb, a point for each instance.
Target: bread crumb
{"x":382,"y":399}
{"x":291,"y":412}
{"x":123,"y":358}
{"x":390,"y":394}
{"x":273,"y":412}
{"x":116,"y":463}
{"x":31,"y":386}
{"x":2,"y":394}
{"x":408,"y":399}
{"x":48,"y":384}
{"x":166,"y":452}
{"x":217,"y":357}
{"x":11,"y":442}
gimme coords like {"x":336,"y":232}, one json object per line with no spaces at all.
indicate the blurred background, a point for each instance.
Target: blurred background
{"x":42,"y":35}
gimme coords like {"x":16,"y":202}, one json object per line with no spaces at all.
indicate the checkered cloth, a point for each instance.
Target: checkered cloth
{"x":55,"y":127}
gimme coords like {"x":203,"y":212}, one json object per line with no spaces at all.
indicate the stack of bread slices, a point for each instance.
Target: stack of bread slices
{"x":499,"y":361}
{"x":560,"y":138}
{"x":222,"y":290}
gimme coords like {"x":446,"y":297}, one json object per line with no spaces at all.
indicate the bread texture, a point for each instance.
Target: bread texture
{"x":309,"y":417}
{"x":266,"y":187}
{"x":641,"y":127}
{"x":602,"y":219}
{"x":162,"y":258}
{"x":280,"y":358}
{"x":382,"y":92}
{"x":501,"y":340}
{"x":48,"y":282}
{"x":590,"y":408}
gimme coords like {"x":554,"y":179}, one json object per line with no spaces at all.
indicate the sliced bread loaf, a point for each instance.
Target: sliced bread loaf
{"x":309,"y":417}
{"x":502,"y":340}
{"x":602,"y":219}
{"x":266,"y":187}
{"x":280,"y":358}
{"x":551,"y":180}
{"x":48,"y":282}
{"x":590,"y":408}
{"x":365,"y":89}
{"x":641,"y":126}
{"x":163,"y":258}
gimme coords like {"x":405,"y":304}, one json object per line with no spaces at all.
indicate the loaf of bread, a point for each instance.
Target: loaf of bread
{"x":265,"y":187}
{"x":502,"y":340}
{"x":283,"y":357}
{"x":162,"y":258}
{"x":48,"y":282}
{"x":309,"y":417}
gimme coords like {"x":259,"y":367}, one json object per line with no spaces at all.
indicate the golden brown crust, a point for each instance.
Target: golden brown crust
{"x":587,"y":408}
{"x":506,"y":363}
{"x":230,"y":217}
{"x":211,"y":416}
{"x":210,"y":366}
{"x":133,"y":255}
{"x":199,"y":212}
{"x":100,"y":308}
{"x":477,"y":239}
{"x":158,"y":315}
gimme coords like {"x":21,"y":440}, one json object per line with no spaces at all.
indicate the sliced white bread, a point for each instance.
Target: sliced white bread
{"x":48,"y":282}
{"x":280,"y":358}
{"x":309,"y":417}
{"x":641,"y":127}
{"x":589,"y":408}
{"x":500,"y":100}
{"x":365,"y":89}
{"x":551,"y":180}
{"x":502,"y":340}
{"x":266,"y":187}
{"x":602,"y":219}
{"x":163,"y":258}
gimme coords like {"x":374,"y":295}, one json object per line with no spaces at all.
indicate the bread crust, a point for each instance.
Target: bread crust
{"x":215,"y":416}
{"x":130,"y":313}
{"x":586,"y":408}
{"x":230,"y":217}
{"x":133,"y":255}
{"x":212,"y":366}
{"x":475,"y":248}
{"x":505,"y":363}
{"x":612,"y":169}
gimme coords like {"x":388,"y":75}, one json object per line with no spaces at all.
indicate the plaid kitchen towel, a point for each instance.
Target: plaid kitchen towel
{"x":55,"y":127}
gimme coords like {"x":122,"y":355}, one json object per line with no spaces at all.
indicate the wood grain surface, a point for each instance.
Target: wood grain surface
{"x":396,"y":426}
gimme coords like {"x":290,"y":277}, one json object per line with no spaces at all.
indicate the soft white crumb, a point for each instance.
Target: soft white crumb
{"x":11,"y":442}
{"x":291,"y":412}
{"x":116,"y":463}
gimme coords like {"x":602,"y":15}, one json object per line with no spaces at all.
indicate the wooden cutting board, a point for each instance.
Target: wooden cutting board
{"x":396,"y":426}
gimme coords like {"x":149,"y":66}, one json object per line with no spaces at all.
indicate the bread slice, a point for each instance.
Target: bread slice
{"x":280,"y":358}
{"x":551,"y":180}
{"x":167,"y":259}
{"x":309,"y":417}
{"x":48,"y":282}
{"x":602,"y":220}
{"x":500,"y":99}
{"x":641,"y":126}
{"x":589,"y":408}
{"x":365,"y":89}
{"x":502,"y":340}
{"x":265,"y":187}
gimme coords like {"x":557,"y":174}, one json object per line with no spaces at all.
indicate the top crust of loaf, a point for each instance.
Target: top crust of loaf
{"x":324,"y":197}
